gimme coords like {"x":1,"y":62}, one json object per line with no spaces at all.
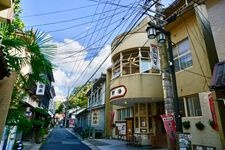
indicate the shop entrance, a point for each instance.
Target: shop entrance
{"x":129,"y":128}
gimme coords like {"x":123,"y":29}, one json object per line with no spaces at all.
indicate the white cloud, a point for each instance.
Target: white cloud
{"x":73,"y":68}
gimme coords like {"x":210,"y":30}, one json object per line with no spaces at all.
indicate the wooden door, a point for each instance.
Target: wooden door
{"x":129,"y":128}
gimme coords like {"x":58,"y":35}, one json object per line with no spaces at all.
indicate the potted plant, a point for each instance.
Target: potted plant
{"x":199,"y":125}
{"x":186,"y":124}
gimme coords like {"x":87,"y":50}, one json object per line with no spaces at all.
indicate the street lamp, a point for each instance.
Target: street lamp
{"x":153,"y":32}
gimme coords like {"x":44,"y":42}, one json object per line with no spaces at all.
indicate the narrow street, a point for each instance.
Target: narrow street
{"x":60,"y":139}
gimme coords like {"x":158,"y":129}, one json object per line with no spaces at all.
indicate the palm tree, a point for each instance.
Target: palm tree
{"x":23,"y":48}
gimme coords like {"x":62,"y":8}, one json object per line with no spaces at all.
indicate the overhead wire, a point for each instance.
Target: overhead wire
{"x":71,"y":55}
{"x":84,"y":49}
{"x":57,"y":11}
{"x":116,"y":45}
{"x":92,"y":58}
{"x":84,"y":40}
{"x":89,"y":40}
{"x":69,"y":20}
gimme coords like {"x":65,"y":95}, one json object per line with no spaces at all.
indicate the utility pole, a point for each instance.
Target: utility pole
{"x":168,"y":76}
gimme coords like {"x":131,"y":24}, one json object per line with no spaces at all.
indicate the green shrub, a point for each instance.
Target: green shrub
{"x":199,"y":125}
{"x":186,"y":124}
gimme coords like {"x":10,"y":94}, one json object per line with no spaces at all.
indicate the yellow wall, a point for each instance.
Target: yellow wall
{"x":196,"y":78}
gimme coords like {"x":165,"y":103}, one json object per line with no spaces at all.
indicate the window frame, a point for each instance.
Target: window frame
{"x":177,"y":57}
{"x":191,"y":106}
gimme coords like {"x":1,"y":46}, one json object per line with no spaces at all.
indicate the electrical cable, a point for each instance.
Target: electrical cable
{"x":90,"y":62}
{"x":116,"y":45}
{"x":58,"y":11}
{"x":70,"y":20}
{"x":95,"y":41}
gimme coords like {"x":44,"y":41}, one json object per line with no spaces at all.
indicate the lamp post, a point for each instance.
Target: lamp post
{"x":154,"y":31}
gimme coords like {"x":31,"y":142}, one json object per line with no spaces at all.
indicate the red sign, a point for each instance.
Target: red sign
{"x":170,"y":126}
{"x":213,"y":112}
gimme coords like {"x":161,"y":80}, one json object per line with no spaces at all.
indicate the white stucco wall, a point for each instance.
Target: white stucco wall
{"x":208,"y":136}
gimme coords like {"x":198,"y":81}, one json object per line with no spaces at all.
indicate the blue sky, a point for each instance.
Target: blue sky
{"x":83,"y":31}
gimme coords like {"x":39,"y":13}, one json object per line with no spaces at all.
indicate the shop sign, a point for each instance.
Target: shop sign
{"x":170,"y":126}
{"x":213,"y":112}
{"x":118,"y":91}
{"x":154,"y":55}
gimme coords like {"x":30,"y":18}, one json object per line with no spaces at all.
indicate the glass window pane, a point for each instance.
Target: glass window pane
{"x":143,"y":121}
{"x":186,"y":61}
{"x":136,"y":122}
{"x":145,"y":66}
{"x":175,"y":53}
{"x":142,"y":109}
{"x":176,"y":65}
{"x":193,"y":106}
{"x":183,"y":46}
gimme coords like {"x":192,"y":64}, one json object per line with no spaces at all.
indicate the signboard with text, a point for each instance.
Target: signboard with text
{"x":170,"y":126}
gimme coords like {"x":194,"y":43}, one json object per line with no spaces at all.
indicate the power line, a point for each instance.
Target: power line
{"x":116,"y":45}
{"x":58,"y":11}
{"x":95,"y":41}
{"x":102,"y":46}
{"x":69,"y":20}
{"x":67,"y":28}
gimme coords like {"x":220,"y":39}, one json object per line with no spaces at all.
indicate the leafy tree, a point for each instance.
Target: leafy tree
{"x":39,"y":52}
{"x":60,"y":109}
{"x":79,"y":98}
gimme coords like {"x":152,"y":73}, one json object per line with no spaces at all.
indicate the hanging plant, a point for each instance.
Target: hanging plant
{"x":186,"y":124}
{"x":199,"y":125}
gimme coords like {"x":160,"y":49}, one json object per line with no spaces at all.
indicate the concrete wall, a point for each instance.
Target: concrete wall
{"x":216,"y":16}
{"x":208,"y":136}
{"x":140,"y":85}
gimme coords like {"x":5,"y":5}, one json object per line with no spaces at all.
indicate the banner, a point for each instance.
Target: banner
{"x":155,"y":60}
{"x":170,"y":126}
{"x":213,"y":112}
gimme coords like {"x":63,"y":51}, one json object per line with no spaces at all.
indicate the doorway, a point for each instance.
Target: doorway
{"x":129,"y":128}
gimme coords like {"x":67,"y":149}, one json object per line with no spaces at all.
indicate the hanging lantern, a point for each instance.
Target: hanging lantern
{"x":161,"y":37}
{"x":151,"y":32}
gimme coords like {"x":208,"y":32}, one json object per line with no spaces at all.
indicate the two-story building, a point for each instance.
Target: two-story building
{"x":135,"y":99}
{"x":96,"y":107}
{"x":135,"y":95}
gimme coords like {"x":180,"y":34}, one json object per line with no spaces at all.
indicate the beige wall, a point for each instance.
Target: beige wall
{"x":140,"y":85}
{"x":208,"y":136}
{"x":133,"y":40}
{"x":196,"y":78}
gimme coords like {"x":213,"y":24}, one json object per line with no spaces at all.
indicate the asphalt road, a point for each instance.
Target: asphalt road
{"x":61,"y":139}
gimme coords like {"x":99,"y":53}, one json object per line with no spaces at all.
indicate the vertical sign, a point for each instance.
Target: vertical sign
{"x":154,"y":55}
{"x":170,"y":126}
{"x":213,"y":112}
